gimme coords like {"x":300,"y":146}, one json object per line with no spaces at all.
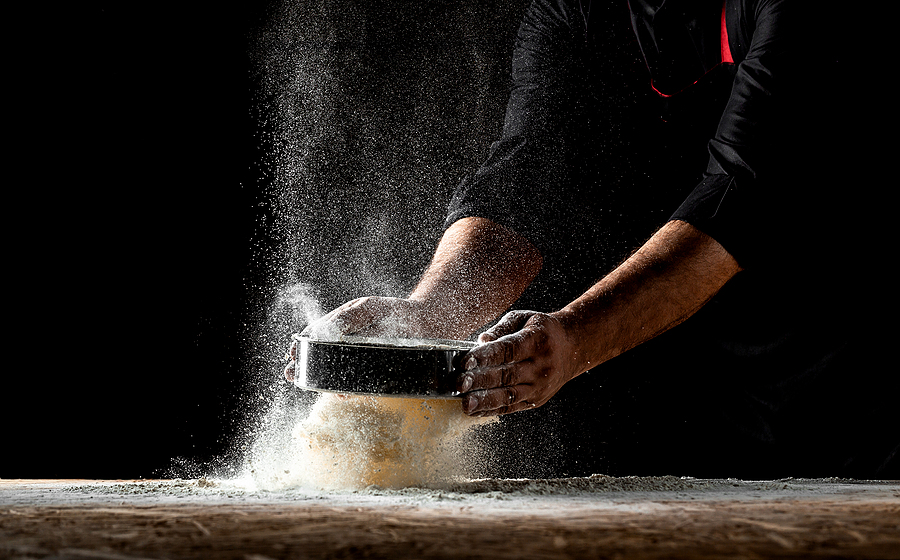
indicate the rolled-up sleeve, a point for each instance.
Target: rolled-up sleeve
{"x":746,"y":200}
{"x":525,"y":183}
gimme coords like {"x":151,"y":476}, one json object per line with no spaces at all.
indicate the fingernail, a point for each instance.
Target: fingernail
{"x":466,"y":384}
{"x":471,"y":363}
{"x":471,"y":403}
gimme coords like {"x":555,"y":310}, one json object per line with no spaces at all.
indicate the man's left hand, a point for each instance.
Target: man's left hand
{"x":527,"y":357}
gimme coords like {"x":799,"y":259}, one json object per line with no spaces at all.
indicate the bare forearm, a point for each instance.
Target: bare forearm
{"x":674,"y":274}
{"x":479,"y":269}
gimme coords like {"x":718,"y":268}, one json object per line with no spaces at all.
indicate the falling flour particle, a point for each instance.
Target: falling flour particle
{"x":350,"y":442}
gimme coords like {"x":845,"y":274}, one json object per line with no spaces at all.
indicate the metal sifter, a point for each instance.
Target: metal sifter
{"x":397,"y":368}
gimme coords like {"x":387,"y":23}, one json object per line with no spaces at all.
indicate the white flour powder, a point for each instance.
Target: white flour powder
{"x":351,"y":442}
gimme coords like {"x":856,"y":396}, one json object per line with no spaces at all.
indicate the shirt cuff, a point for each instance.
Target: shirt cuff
{"x":715,"y":208}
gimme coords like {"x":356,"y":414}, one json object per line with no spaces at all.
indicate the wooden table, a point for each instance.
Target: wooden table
{"x":598,"y":517}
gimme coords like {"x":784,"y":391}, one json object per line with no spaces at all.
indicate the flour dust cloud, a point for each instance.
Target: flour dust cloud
{"x":342,"y":442}
{"x":369,"y":115}
{"x":351,"y":442}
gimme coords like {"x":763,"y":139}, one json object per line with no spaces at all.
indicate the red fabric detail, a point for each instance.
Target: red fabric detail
{"x":726,"y":50}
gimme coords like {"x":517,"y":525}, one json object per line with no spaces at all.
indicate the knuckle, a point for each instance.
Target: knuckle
{"x":512,"y":395}
{"x":506,"y":376}
{"x":508,"y":349}
{"x":489,"y":354}
{"x":510,"y":317}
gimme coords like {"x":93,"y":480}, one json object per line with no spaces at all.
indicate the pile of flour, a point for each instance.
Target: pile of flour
{"x":351,"y":442}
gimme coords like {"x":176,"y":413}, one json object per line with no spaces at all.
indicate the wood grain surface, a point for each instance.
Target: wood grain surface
{"x":851,"y":524}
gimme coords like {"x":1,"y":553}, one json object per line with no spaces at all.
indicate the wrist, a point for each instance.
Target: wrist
{"x":582,"y":347}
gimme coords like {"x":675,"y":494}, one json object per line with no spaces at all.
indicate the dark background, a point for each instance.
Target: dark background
{"x":176,"y":165}
{"x":136,"y":285}
{"x":173,"y":168}
{"x":188,"y":170}
{"x":185,"y":171}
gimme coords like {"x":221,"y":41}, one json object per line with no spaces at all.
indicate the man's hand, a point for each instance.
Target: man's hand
{"x":292,"y":360}
{"x":527,"y":358}
{"x":373,"y":317}
{"x":478,"y":270}
{"x":369,"y":317}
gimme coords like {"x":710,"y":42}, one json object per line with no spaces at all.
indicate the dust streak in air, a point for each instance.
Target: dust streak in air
{"x":369,"y":116}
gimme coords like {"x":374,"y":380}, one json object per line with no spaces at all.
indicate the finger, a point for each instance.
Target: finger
{"x":504,"y":375}
{"x":291,"y":356}
{"x":360,"y":316}
{"x":329,"y":317}
{"x":350,"y":318}
{"x":487,"y":337}
{"x":488,"y":400}
{"x":510,"y":323}
{"x":320,"y":325}
{"x":289,"y":372}
{"x":498,"y":401}
{"x":517,"y":407}
{"x":509,"y":349}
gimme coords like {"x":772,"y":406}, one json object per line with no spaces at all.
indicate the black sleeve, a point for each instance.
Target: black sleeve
{"x":525,"y":183}
{"x":748,"y":199}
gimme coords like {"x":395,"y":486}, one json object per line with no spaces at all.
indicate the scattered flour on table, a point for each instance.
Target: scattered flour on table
{"x":519,"y":493}
{"x":352,"y":442}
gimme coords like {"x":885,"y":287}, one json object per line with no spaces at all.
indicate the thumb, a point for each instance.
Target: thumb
{"x":510,"y":323}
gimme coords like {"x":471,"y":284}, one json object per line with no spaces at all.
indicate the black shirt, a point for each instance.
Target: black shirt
{"x":786,"y":127}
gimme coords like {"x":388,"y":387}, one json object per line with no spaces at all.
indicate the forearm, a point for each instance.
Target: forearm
{"x":478,"y":270}
{"x":672,"y":276}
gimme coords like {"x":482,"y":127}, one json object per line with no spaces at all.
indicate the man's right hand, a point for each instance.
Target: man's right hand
{"x":370,"y":317}
{"x":373,"y":317}
{"x":478,"y":270}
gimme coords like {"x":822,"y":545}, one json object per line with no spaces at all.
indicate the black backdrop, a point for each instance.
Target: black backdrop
{"x":178,"y":165}
{"x":149,"y":222}
{"x":170,"y":167}
{"x":132,"y":264}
